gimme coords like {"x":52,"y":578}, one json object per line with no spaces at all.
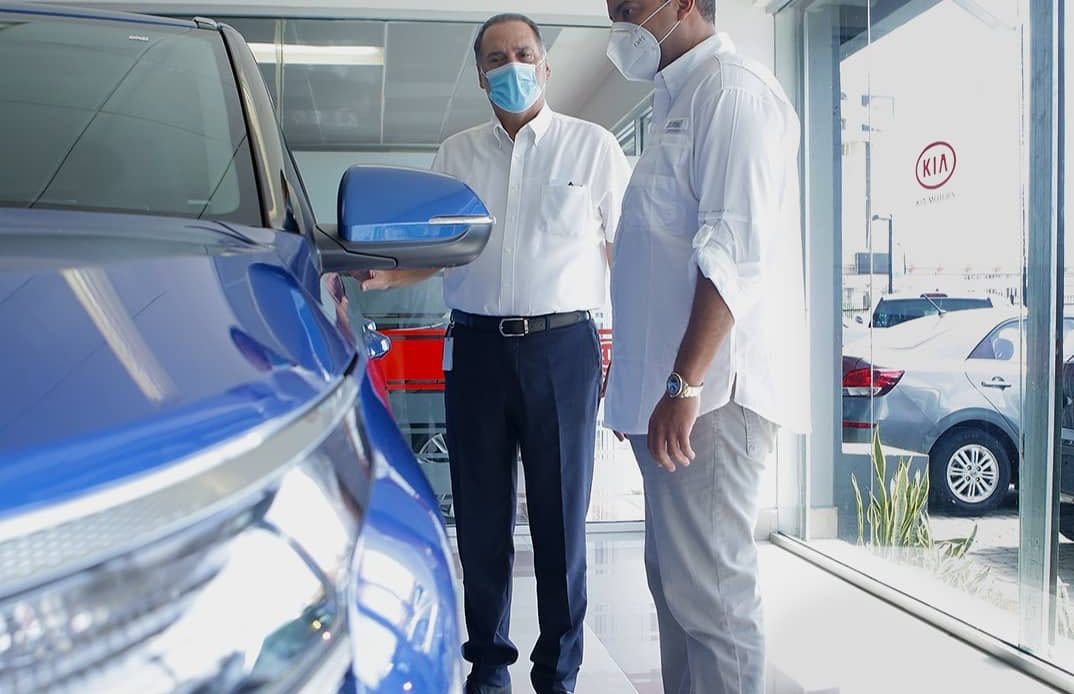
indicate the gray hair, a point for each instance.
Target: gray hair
{"x":513,"y":17}
{"x":707,"y":8}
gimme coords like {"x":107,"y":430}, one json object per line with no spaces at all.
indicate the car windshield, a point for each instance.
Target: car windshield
{"x":948,"y":304}
{"x":123,"y":117}
{"x":891,"y":312}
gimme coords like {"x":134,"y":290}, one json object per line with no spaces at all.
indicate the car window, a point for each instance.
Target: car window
{"x":1002,"y":344}
{"x":891,"y":312}
{"x":122,"y":117}
{"x":948,"y":304}
{"x":1005,"y":342}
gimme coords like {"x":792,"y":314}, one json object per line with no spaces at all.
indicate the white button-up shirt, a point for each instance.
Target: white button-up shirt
{"x":556,"y":192}
{"x":716,"y":190}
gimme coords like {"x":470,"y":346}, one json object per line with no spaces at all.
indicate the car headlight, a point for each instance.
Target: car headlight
{"x":225,"y":573}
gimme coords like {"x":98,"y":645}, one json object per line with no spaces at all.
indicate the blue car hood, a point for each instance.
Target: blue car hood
{"x":129,"y":343}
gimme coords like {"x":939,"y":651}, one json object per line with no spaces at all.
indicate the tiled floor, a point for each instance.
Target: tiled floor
{"x":824,"y":635}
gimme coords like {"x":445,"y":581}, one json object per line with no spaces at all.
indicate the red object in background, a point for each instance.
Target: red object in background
{"x":605,"y":335}
{"x":416,"y":360}
{"x":375,"y":369}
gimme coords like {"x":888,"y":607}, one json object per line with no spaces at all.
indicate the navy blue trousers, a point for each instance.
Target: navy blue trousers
{"x":536,"y":394}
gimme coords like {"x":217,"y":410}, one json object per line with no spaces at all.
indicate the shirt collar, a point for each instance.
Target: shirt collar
{"x":673,"y":77}
{"x":539,"y":125}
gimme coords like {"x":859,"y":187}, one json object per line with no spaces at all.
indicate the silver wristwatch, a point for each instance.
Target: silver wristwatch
{"x":678,"y":388}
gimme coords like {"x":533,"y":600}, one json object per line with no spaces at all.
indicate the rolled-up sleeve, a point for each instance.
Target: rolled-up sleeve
{"x":615,"y":175}
{"x":738,"y":174}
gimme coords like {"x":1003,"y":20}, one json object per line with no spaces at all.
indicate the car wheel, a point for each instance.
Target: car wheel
{"x":434,"y":450}
{"x":433,"y":456}
{"x":970,"y":471}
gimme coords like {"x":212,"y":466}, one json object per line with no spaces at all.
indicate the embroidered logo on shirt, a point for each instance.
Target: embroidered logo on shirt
{"x":677,"y":125}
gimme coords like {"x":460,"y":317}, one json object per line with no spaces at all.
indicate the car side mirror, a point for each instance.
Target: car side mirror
{"x":395,"y":218}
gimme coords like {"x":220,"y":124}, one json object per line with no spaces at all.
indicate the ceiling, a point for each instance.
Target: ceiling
{"x":426,"y":89}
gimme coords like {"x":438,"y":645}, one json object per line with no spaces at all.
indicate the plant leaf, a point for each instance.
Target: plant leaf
{"x":861,"y":509}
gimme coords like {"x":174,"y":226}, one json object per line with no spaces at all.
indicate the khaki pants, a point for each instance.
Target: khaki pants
{"x":701,"y":558}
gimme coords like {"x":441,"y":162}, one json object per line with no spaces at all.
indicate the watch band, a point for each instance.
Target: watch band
{"x":689,"y":391}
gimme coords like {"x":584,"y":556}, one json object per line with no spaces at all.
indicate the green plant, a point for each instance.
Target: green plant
{"x":898,"y":520}
{"x":898,"y":508}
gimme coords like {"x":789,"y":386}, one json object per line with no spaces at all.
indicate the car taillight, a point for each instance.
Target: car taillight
{"x":861,"y":383}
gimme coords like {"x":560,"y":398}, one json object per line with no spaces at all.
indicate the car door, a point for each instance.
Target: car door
{"x":996,"y":369}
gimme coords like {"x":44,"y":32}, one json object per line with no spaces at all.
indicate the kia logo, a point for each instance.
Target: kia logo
{"x":935,"y":165}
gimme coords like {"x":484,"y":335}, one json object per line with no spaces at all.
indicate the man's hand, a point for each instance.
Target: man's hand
{"x":378,"y":280}
{"x":669,"y":431}
{"x":382,"y":279}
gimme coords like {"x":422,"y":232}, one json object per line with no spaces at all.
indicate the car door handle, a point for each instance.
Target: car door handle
{"x":996,"y":383}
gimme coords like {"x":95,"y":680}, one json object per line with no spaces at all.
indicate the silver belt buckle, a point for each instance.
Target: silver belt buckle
{"x":525,"y":322}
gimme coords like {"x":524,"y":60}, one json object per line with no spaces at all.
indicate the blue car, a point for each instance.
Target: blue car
{"x":200,"y":488}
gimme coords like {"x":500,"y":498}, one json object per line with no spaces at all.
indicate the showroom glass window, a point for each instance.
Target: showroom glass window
{"x":924,"y":161}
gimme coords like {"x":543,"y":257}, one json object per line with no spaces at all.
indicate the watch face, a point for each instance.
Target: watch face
{"x":674,"y":386}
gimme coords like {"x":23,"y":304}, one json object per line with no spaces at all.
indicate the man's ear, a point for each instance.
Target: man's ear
{"x":685,"y":7}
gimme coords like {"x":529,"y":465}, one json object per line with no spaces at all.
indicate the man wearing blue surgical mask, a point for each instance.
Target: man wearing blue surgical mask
{"x":708,"y":354}
{"x":522,"y":358}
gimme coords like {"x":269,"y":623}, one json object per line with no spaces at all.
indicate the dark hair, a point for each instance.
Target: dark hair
{"x":508,"y":17}
{"x":707,"y":8}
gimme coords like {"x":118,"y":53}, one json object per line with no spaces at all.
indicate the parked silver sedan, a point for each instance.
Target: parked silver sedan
{"x":949,"y":386}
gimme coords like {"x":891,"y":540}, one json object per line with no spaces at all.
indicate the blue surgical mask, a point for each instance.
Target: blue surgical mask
{"x":514,"y":87}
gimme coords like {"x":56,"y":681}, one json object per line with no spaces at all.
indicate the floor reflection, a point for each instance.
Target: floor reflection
{"x":825,"y":636}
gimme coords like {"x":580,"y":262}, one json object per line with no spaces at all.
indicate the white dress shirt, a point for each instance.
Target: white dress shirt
{"x":556,"y":192}
{"x":716,"y":190}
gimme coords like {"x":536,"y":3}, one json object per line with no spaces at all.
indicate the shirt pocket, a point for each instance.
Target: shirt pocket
{"x":664,"y":208}
{"x":566,"y":209}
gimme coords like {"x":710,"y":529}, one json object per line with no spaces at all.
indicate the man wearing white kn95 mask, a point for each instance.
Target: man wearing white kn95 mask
{"x":709,"y":352}
{"x":522,"y":356}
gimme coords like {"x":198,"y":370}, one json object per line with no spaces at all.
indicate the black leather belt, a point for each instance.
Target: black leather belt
{"x":518,"y":326}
